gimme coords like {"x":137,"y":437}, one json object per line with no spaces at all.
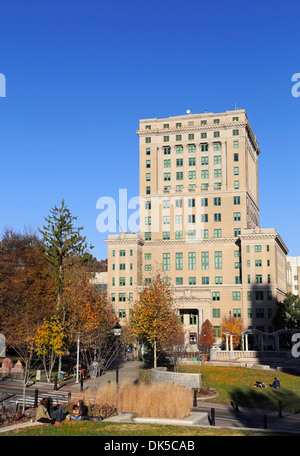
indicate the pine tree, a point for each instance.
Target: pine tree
{"x":64,"y":245}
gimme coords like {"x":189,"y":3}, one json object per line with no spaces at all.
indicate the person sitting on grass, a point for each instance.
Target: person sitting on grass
{"x":42,"y":414}
{"x":80,"y":411}
{"x":276,"y":383}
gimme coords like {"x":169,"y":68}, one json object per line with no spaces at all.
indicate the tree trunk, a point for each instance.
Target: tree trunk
{"x":155,"y":364}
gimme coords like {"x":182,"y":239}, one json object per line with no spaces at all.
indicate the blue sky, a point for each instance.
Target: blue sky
{"x":80,"y":75}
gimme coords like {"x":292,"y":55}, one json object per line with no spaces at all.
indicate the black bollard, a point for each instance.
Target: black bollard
{"x":36,"y":397}
{"x":195,"y":398}
{"x":236,"y":405}
{"x":279,"y":410}
{"x":55,"y":383}
{"x":213,"y":417}
{"x":81,"y":383}
{"x":265,"y":422}
{"x":69,"y":395}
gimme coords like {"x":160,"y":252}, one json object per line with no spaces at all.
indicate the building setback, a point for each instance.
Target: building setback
{"x":199,"y":224}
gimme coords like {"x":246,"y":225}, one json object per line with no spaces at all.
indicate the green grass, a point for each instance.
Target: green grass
{"x":231,"y":381}
{"x":104,"y":429}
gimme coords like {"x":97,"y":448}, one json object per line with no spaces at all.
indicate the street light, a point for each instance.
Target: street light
{"x":117,"y":332}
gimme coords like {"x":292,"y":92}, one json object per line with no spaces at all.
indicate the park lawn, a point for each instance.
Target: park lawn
{"x":105,"y":429}
{"x":238,"y":381}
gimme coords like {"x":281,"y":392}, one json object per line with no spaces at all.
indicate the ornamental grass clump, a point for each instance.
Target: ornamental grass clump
{"x":158,"y":400}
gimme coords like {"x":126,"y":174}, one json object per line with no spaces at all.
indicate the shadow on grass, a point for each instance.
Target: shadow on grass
{"x":266,"y":398}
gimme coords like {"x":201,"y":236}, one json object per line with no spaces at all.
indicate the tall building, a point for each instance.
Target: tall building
{"x":199,"y":224}
{"x":293,"y":274}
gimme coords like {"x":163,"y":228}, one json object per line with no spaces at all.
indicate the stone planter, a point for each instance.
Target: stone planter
{"x":161,"y":375}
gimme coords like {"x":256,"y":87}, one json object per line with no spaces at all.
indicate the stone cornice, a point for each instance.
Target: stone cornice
{"x":191,"y":129}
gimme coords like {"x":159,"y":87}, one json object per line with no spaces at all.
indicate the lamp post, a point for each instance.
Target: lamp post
{"x":117,"y":332}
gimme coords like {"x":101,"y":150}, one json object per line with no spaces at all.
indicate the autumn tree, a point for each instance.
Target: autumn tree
{"x":88,"y":314}
{"x":176,"y":348}
{"x":206,"y":337}
{"x":234,"y":326}
{"x":27,"y":293}
{"x":49,"y":343}
{"x":154,"y":320}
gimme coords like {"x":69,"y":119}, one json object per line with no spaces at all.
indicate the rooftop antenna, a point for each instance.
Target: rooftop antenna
{"x":120,"y":226}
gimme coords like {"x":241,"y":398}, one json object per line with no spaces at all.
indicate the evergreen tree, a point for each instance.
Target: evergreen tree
{"x":64,"y":245}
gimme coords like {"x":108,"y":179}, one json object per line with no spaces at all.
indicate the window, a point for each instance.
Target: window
{"x":236,"y":232}
{"x":179,"y":261}
{"x":235,"y":144}
{"x":191,"y":148}
{"x":178,"y":234}
{"x":258,"y":263}
{"x":217,"y":159}
{"x":204,"y":174}
{"x":122,"y":313}
{"x":216,"y":134}
{"x":259,"y":295}
{"x":192,"y":234}
{"x":148,"y":190}
{"x":179,"y":175}
{"x":166,"y":261}
{"x":179,"y":281}
{"x":205,"y":280}
{"x":113,"y":297}
{"x":191,"y":136}
{"x":249,"y":295}
{"x":167,"y":176}
{"x":236,"y":295}
{"x":147,"y":267}
{"x":204,"y":218}
{"x":204,"y":260}
{"x":192,"y":161}
{"x":192,"y":218}
{"x":236,"y":157}
{"x":166,"y":220}
{"x":147,"y":220}
{"x":122,"y":266}
{"x":259,"y":313}
{"x":193,"y":319}
{"x":178,"y":203}
{"x":218,"y":280}
{"x":236,"y":185}
{"x":257,"y":248}
{"x":167,"y":163}
{"x":204,"y":160}
{"x":235,"y":132}
{"x":122,"y":253}
{"x":179,"y":149}
{"x":217,"y":217}
{"x":217,"y":146}
{"x":166,"y":235}
{"x":122,"y":297}
{"x":148,"y":140}
{"x":218,"y":260}
{"x":236,"y":200}
{"x":166,"y":138}
{"x":236,"y":216}
{"x":191,"y":202}
{"x":147,"y":204}
{"x":167,"y":150}
{"x":179,"y":161}
{"x":203,"y":135}
{"x":192,"y":280}
{"x":178,"y":219}
{"x":122,"y":281}
{"x":148,"y":163}
{"x":216,"y":296}
{"x":148,"y":236}
{"x":217,"y":201}
{"x":217,"y":173}
{"x":204,"y":202}
{"x":236,"y":170}
{"x":192,"y":260}
{"x":237,"y":313}
{"x":166,"y":204}
{"x":148,"y":151}
{"x":192,"y":174}
{"x":204,"y":147}
{"x":204,"y":234}
{"x":218,"y":233}
{"x":178,"y":124}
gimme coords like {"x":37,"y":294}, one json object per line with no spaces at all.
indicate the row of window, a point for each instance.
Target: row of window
{"x":191,"y":148}
{"x":191,"y":123}
{"x":191,"y":202}
{"x":192,"y":174}
{"x":204,"y":186}
{"x":192,"y":136}
{"x":191,"y":233}
{"x":217,"y":217}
